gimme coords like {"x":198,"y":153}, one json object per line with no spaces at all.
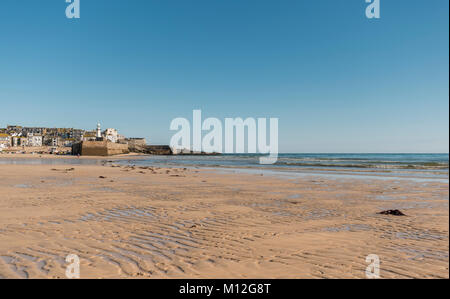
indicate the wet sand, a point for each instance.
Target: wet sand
{"x":128,"y":222}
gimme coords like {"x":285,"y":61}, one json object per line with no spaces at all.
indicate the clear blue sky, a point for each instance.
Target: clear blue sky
{"x":337,"y":81}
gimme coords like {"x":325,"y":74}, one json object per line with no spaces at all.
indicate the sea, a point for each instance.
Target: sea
{"x":401,"y":165}
{"x":433,"y":166}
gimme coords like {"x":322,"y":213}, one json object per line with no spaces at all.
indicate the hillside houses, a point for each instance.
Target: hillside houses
{"x":19,"y":136}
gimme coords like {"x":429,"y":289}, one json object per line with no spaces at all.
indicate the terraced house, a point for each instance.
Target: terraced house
{"x":34,"y":140}
{"x":5,"y":140}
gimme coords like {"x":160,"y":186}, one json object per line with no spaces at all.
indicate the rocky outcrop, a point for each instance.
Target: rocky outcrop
{"x":151,"y":149}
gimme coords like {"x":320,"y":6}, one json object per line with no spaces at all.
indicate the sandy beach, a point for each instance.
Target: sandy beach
{"x":144,"y":222}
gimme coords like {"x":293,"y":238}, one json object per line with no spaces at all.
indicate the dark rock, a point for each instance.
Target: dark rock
{"x":392,"y":212}
{"x":151,"y":149}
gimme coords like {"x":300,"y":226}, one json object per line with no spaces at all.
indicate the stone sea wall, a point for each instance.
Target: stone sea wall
{"x":99,"y":148}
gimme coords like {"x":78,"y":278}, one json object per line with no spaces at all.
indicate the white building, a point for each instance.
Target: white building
{"x":34,"y":140}
{"x":5,"y":141}
{"x":55,"y":141}
{"x":111,"y":135}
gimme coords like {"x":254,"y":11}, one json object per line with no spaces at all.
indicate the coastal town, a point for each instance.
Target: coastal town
{"x":19,"y":139}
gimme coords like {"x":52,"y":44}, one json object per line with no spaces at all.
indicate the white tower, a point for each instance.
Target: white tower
{"x":99,"y":131}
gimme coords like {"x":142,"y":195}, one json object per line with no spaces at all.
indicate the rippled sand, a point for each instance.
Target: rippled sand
{"x":175,"y":223}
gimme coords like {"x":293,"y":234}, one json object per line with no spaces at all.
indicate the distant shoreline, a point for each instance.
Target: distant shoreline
{"x":50,"y":156}
{"x":232,"y":163}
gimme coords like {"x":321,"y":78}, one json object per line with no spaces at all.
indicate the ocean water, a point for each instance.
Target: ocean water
{"x":387,"y":165}
{"x":413,"y":165}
